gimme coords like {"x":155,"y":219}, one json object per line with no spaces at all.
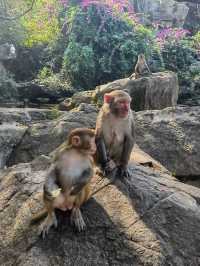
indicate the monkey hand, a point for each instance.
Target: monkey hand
{"x":109,"y":167}
{"x":47,"y":224}
{"x":122,"y":171}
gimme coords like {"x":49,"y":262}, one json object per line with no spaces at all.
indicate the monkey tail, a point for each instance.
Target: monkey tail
{"x":38,"y":216}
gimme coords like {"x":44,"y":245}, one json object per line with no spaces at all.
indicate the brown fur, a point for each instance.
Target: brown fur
{"x":141,"y":67}
{"x":115,"y":135}
{"x":67,"y":185}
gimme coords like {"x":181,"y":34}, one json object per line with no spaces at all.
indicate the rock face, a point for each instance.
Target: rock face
{"x":148,"y":219}
{"x":172,"y":137}
{"x":14,"y":124}
{"x":45,"y":136}
{"x":167,"y":13}
{"x":8,"y":87}
{"x":26,"y":115}
{"x":157,"y":91}
{"x":193,"y":18}
{"x":10,"y":136}
{"x":35,"y":92}
{"x":76,"y":100}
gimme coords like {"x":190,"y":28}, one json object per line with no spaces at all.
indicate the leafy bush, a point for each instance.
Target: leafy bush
{"x":52,"y":80}
{"x":179,"y":57}
{"x":102,"y":47}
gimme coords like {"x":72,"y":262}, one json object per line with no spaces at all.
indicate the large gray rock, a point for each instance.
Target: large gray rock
{"x":172,"y":137}
{"x":148,"y":219}
{"x":156,"y":91}
{"x":26,"y":115}
{"x":167,"y":13}
{"x":43,"y":137}
{"x":10,"y":136}
{"x":8,"y":87}
{"x":76,"y":100}
{"x":35,"y":92}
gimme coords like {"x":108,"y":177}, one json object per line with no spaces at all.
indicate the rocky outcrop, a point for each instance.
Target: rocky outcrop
{"x":147,"y":219}
{"x":35,"y":92}
{"x":172,"y":137}
{"x":27,"y":115}
{"x":8,"y":87}
{"x":45,"y":136}
{"x":76,"y":100}
{"x":157,"y":91}
{"x":166,"y":13}
{"x":10,"y":136}
{"x":192,"y":20}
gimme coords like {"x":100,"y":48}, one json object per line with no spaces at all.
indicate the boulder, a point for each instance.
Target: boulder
{"x":163,"y":134}
{"x":35,"y":92}
{"x":43,"y":137}
{"x":10,"y":136}
{"x":192,"y":20}
{"x":76,"y":100}
{"x":172,"y":137}
{"x":156,"y":91}
{"x":147,"y":219}
{"x":26,"y":115}
{"x":167,"y":13}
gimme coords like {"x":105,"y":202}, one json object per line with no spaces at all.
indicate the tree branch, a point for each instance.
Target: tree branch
{"x":20,"y":15}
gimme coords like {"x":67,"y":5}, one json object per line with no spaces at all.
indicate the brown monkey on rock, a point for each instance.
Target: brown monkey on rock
{"x":115,"y":134}
{"x":141,"y":68}
{"x":67,"y":184}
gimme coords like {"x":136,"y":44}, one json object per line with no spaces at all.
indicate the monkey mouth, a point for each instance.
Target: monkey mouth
{"x":124,"y":113}
{"x":93,"y":151}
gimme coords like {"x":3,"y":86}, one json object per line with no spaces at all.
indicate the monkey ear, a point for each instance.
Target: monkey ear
{"x":76,"y":141}
{"x":107,"y":98}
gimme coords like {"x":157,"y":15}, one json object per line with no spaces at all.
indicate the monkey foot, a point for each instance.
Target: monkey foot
{"x":77,"y":219}
{"x":122,"y":172}
{"x":47,"y":224}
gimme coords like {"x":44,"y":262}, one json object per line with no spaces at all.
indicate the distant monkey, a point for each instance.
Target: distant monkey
{"x":67,"y":184}
{"x":141,"y":68}
{"x":115,"y":133}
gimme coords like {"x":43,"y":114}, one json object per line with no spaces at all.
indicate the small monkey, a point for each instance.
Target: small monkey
{"x":141,"y":68}
{"x":67,"y":184}
{"x":115,"y":133}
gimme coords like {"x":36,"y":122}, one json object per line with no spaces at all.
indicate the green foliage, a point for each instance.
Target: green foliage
{"x":102,"y":48}
{"x":52,"y":80}
{"x":85,"y":47}
{"x":178,"y":57}
{"x":55,"y":113}
{"x":196,"y":40}
{"x":41,"y":25}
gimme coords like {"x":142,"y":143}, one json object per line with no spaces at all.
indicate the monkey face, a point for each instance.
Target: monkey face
{"x":85,"y":143}
{"x":121,"y":108}
{"x":118,"y":102}
{"x":92,"y":146}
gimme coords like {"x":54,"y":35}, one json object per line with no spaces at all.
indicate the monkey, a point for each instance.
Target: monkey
{"x":141,"y":68}
{"x":67,"y":184}
{"x":115,"y":134}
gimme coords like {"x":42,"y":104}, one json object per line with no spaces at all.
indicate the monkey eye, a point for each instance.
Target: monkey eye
{"x":123,"y":102}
